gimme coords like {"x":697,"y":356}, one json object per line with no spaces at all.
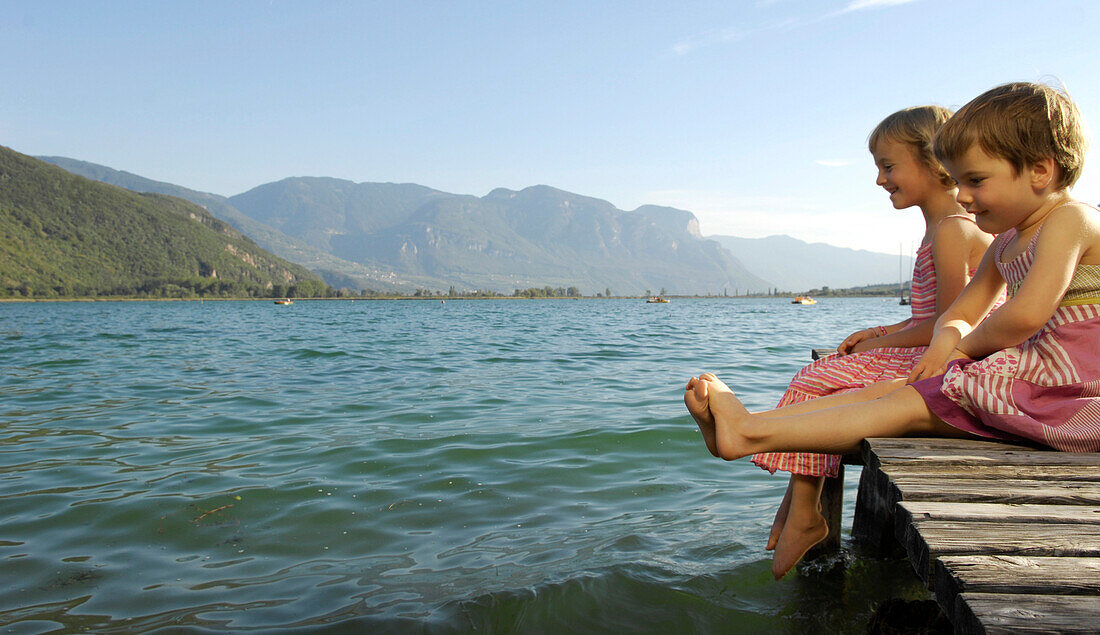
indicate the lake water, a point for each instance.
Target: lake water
{"x":404,"y":466}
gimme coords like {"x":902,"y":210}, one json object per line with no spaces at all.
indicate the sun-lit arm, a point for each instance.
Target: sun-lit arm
{"x":1058,"y":250}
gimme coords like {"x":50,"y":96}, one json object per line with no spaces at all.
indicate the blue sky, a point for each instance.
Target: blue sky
{"x":752,"y":114}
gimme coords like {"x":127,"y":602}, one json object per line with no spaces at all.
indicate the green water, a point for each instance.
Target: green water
{"x":402,"y":466}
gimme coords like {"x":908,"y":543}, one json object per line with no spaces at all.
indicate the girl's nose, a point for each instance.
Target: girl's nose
{"x":963,"y":197}
{"x":880,"y":179}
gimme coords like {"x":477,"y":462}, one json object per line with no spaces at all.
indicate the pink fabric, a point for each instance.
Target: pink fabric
{"x":838,"y":374}
{"x":1045,"y":390}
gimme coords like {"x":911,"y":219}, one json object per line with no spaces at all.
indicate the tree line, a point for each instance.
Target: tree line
{"x":177,"y":288}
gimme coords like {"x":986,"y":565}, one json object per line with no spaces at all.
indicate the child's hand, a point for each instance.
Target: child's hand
{"x":930,"y":363}
{"x":850,"y":342}
{"x":927,"y":367}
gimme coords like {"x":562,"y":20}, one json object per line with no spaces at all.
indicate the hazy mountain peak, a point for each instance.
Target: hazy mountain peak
{"x":500,"y":193}
{"x":797,"y":265}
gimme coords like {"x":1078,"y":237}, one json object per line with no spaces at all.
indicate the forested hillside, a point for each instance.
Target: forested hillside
{"x":62,"y":235}
{"x":337,"y":272}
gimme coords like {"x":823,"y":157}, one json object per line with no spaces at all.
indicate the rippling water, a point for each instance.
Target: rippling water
{"x":401,"y":465}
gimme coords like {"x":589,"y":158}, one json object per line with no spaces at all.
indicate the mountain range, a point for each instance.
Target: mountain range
{"x":388,"y":236}
{"x":397,"y":237}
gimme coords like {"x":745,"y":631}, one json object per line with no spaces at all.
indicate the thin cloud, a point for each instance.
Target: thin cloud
{"x":832,"y":164}
{"x":859,"y":5}
{"x":715,"y":37}
{"x":709,"y":38}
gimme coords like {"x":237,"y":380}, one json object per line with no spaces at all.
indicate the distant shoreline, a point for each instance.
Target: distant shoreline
{"x":445,"y":298}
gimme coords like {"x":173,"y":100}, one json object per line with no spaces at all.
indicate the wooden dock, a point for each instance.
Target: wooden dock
{"x":1006,"y":536}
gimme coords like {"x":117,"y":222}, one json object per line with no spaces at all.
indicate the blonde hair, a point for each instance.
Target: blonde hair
{"x":1022,"y":123}
{"x":915,"y":127}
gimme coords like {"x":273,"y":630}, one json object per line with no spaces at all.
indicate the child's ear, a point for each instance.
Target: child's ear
{"x":1042,"y":173}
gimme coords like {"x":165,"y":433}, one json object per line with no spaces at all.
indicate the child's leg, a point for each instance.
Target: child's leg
{"x":780,"y":516}
{"x":697,"y":400}
{"x":737,"y":433}
{"x":804,"y":525}
{"x":832,"y":424}
{"x":867,"y":393}
{"x":805,"y":530}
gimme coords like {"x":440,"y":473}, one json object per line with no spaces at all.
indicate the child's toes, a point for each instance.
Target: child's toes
{"x":700,"y":391}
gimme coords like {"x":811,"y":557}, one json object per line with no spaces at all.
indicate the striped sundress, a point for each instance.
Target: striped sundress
{"x":844,"y":373}
{"x":1045,"y":390}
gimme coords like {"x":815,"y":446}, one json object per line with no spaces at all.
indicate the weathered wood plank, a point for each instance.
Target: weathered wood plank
{"x":1012,"y":531}
{"x":974,"y":457}
{"x":888,"y":444}
{"x":1015,"y":574}
{"x":926,"y":541}
{"x":1027,"y":513}
{"x":927,"y":487}
{"x":1017,"y":613}
{"x":880,"y":491}
{"x":1009,"y":520}
{"x":1074,"y":473}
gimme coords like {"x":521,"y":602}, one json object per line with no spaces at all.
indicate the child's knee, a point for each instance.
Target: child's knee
{"x":914,"y":415}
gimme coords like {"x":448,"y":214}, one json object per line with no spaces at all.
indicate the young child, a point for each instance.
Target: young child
{"x":950,"y":251}
{"x":1030,"y":370}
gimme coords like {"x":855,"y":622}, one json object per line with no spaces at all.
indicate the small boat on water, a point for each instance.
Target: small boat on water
{"x":803,"y":299}
{"x":657,"y":300}
{"x":284,"y":301}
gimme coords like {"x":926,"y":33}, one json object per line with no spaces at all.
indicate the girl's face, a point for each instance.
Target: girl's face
{"x":903,"y":175}
{"x":992,"y":190}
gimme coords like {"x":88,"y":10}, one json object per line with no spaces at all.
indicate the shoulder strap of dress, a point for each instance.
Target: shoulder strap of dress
{"x":962,"y":216}
{"x":1002,"y":241}
{"x":1035,"y":237}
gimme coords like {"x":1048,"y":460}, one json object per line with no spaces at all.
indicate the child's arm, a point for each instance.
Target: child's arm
{"x":973,"y":304}
{"x":1067,"y":234}
{"x":954,"y":243}
{"x":849,"y":345}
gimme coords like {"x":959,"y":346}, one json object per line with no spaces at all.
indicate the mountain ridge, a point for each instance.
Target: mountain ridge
{"x":400,"y":236}
{"x":405,"y":236}
{"x":334,"y":271}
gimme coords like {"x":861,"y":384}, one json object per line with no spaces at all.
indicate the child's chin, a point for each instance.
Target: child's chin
{"x":987,"y":225}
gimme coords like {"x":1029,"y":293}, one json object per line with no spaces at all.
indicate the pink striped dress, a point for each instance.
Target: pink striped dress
{"x":837,"y":373}
{"x":1045,"y":390}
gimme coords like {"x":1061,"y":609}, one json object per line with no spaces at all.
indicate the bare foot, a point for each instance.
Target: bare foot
{"x":780,"y":518}
{"x":697,"y":400}
{"x":731,"y":420}
{"x":796,"y":539}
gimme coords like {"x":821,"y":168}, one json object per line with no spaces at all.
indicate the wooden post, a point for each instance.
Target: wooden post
{"x":873,"y":524}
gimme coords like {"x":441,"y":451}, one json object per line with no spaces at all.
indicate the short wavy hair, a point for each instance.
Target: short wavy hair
{"x":915,"y":127}
{"x":1022,"y":123}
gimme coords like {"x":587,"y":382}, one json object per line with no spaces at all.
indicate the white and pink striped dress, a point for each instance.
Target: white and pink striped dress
{"x":1047,"y":389}
{"x":838,"y":374}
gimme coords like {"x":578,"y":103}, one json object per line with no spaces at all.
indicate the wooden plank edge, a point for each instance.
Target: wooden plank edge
{"x":1001,"y":512}
{"x":930,"y":488}
{"x":1009,"y":574}
{"x":1019,"y":613}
